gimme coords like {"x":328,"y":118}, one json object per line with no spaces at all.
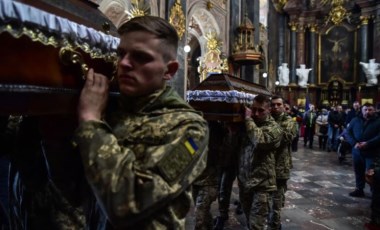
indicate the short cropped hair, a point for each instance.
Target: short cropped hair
{"x":261,"y":99}
{"x":278,"y":97}
{"x":161,"y":28}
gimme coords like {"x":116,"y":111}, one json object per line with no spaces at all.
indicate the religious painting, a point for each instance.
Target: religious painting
{"x":337,"y":55}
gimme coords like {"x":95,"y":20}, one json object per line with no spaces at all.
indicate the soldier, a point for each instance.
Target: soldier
{"x":227,"y":170}
{"x":283,"y":159}
{"x":141,"y":159}
{"x":257,"y":178}
{"x":205,"y":187}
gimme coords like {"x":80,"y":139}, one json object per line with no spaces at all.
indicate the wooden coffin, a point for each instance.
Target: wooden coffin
{"x":46,"y":49}
{"x":223,"y":97}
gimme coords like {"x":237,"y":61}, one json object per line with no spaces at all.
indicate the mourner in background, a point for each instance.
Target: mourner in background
{"x":364,"y":136}
{"x":309,"y":119}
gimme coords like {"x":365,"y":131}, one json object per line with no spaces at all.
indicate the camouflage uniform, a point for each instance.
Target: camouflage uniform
{"x":257,"y":178}
{"x":141,"y":168}
{"x":206,"y":186}
{"x":228,"y":160}
{"x":283,"y":165}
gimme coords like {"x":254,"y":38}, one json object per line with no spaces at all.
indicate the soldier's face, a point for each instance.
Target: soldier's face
{"x":260,"y":111}
{"x":277,"y":106}
{"x":141,"y":65}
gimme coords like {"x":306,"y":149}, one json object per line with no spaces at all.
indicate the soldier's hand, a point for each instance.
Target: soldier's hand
{"x":94,"y":96}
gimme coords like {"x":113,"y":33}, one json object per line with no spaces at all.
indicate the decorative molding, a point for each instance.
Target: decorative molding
{"x":313,"y":27}
{"x":139,"y":8}
{"x":293,"y":25}
{"x":177,"y":18}
{"x":365,"y":19}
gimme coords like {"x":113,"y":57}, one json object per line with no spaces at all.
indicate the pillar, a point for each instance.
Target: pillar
{"x":312,"y":55}
{"x":363,"y":45}
{"x":293,"y":47}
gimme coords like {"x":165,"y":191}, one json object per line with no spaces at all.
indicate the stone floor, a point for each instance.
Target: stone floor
{"x":317,"y":196}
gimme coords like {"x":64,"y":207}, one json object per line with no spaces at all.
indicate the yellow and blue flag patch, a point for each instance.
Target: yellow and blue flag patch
{"x":191,"y":146}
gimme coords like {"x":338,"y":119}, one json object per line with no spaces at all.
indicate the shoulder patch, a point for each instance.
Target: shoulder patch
{"x":191,"y":145}
{"x":175,"y":163}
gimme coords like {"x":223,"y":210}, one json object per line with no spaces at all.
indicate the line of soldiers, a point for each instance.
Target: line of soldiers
{"x":258,"y":153}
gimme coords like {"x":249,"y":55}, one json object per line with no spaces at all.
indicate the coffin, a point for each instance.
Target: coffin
{"x":46,"y":49}
{"x":223,"y":97}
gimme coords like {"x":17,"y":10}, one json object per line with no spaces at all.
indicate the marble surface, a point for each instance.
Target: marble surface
{"x":317,"y":196}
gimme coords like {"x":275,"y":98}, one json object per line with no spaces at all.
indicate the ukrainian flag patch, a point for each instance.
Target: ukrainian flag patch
{"x":191,"y":146}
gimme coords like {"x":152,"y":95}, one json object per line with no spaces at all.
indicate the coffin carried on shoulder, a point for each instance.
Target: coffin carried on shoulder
{"x":223,"y":97}
{"x":46,"y":49}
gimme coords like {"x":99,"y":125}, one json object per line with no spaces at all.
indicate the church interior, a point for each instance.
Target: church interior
{"x":322,"y":52}
{"x":327,"y":49}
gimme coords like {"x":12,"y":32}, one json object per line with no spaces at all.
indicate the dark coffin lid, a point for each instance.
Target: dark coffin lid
{"x":33,"y":78}
{"x":222,"y":97}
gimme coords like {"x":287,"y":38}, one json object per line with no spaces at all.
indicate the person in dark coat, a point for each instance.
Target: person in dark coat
{"x":309,"y":120}
{"x":363,"y":134}
{"x":355,"y":111}
{"x":336,"y":119}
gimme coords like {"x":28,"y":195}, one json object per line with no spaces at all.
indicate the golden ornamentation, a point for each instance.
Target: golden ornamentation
{"x":279,"y":4}
{"x":177,"y":18}
{"x":68,"y":56}
{"x":365,"y":19}
{"x":212,"y":41}
{"x":293,"y":26}
{"x":139,"y":8}
{"x":313,"y":27}
{"x":338,"y":13}
{"x":211,"y":62}
{"x":209,"y":5}
{"x":49,"y":40}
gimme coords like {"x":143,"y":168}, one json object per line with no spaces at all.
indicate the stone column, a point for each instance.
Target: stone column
{"x":363,"y":45}
{"x":293,"y":60}
{"x":376,"y":34}
{"x":300,"y":45}
{"x":312,"y":54}
{"x":281,"y":39}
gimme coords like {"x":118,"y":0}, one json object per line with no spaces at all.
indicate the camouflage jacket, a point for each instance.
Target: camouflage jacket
{"x":283,"y":155}
{"x":257,"y":162}
{"x":140,"y":164}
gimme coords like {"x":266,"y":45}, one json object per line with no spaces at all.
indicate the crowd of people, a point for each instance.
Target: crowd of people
{"x":348,"y":131}
{"x":143,"y":163}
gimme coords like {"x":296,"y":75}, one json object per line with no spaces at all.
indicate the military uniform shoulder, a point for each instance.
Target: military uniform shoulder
{"x":178,"y":162}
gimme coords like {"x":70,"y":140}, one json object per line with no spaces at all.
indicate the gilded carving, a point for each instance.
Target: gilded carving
{"x":293,"y":26}
{"x":139,"y":8}
{"x":211,"y":62}
{"x":177,"y":18}
{"x":337,"y":13}
{"x":313,"y":27}
{"x":279,"y":4}
{"x":365,"y":19}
